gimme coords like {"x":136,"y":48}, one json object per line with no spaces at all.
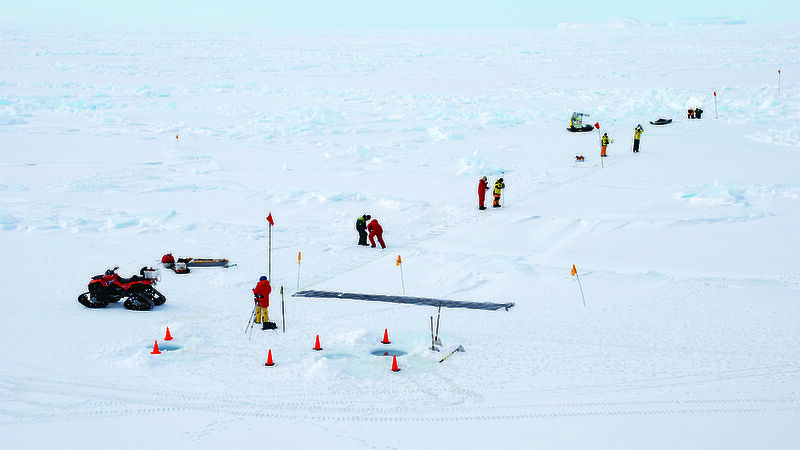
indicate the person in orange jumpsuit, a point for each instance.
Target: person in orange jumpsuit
{"x":375,"y":231}
{"x":261,"y":292}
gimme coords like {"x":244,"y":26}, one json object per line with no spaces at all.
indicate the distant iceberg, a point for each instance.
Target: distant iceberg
{"x":625,"y":22}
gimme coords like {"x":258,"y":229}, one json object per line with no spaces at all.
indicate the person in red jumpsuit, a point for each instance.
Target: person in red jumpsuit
{"x":261,"y":292}
{"x":483,"y":186}
{"x":375,"y":231}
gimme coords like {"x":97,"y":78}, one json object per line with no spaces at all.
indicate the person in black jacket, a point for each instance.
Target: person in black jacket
{"x":361,"y":227}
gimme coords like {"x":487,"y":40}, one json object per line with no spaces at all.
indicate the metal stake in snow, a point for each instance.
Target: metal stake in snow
{"x":269,"y":263}
{"x":433,"y":338}
{"x":600,"y":140}
{"x":176,"y":143}
{"x":716,"y":115}
{"x":402,"y":280}
{"x":436,"y":340}
{"x":575,"y":274}
{"x":779,"y":82}
{"x":283,"y":316}
{"x":503,"y":196}
{"x":299,"y":255}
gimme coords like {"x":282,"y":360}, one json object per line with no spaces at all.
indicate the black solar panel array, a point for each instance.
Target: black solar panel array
{"x":489,"y":306}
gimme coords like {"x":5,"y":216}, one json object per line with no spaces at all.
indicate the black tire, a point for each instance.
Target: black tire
{"x":88,"y":300}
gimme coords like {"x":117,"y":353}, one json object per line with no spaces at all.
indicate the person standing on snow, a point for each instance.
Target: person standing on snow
{"x":361,"y":227}
{"x":637,"y":134}
{"x":375,"y":230}
{"x":604,"y":141}
{"x":261,"y":292}
{"x":690,"y":114}
{"x":483,"y":186}
{"x":498,"y":190}
{"x":697,"y":113}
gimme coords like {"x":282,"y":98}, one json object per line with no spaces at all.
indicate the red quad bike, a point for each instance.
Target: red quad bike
{"x":137,"y":291}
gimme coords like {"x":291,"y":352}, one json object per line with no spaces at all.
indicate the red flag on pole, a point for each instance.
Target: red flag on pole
{"x":779,"y":71}
{"x":715,"y":93}
{"x":597,"y":125}
{"x":269,"y":219}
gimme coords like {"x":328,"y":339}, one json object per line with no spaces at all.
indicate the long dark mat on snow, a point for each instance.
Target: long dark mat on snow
{"x":403,"y":299}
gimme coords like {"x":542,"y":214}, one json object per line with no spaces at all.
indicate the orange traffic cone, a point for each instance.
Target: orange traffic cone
{"x":316,"y":346}
{"x":394,"y":364}
{"x":386,"y":336}
{"x":168,"y":337}
{"x":155,"y":351}
{"x":269,"y":359}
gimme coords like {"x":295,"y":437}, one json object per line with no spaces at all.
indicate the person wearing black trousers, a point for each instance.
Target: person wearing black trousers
{"x":637,"y":135}
{"x":361,"y":227}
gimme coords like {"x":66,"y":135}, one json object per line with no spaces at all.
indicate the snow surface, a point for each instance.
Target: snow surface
{"x":687,"y":251}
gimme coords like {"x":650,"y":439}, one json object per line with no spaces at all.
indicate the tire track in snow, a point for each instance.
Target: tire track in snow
{"x":309,"y":406}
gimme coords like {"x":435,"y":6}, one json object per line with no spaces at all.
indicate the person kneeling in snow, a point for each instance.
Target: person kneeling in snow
{"x":375,"y":230}
{"x":261,"y":292}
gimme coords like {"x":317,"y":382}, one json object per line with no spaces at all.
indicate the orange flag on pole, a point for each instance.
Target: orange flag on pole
{"x":299,"y":255}
{"x":574,"y":273}
{"x":399,"y":263}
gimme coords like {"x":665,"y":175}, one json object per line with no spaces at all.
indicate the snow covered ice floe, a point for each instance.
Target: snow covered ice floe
{"x":685,"y":250}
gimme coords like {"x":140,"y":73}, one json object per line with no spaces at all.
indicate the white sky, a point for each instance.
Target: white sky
{"x":379,"y":13}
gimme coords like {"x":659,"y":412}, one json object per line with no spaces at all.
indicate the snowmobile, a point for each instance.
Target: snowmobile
{"x":576,"y":123}
{"x":137,"y":291}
